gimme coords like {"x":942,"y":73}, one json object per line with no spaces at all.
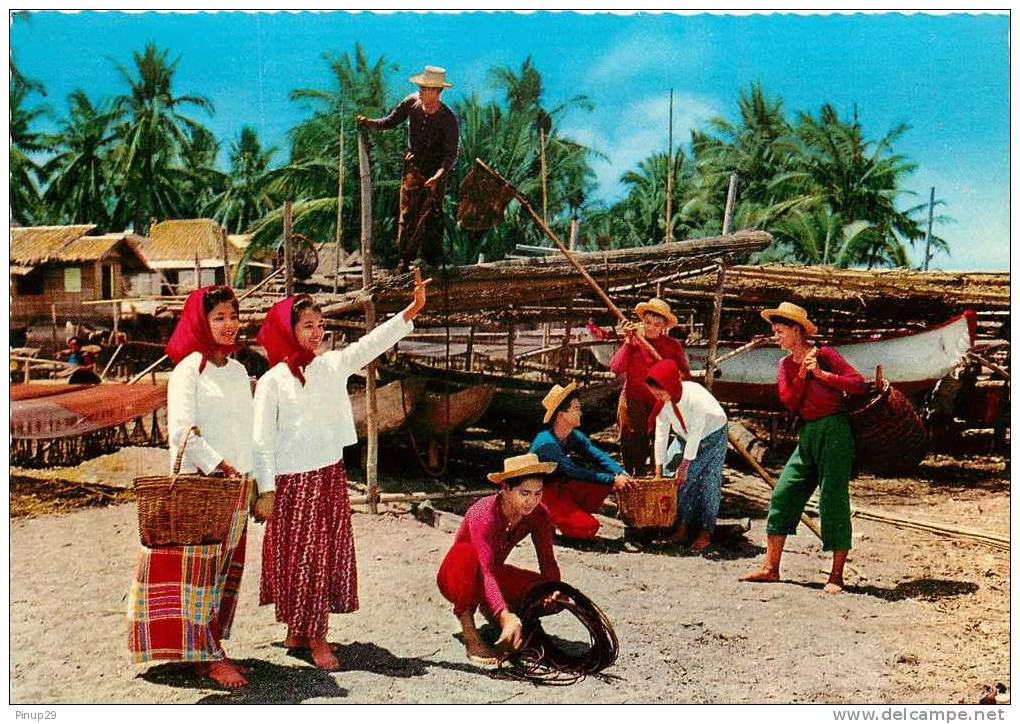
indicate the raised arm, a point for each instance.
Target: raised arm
{"x":393,"y":119}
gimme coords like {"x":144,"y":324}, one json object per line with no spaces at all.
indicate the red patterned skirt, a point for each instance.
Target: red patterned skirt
{"x":182,"y":599}
{"x":308,"y":565}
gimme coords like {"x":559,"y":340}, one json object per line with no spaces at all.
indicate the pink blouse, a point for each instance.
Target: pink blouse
{"x":813,"y":398}
{"x":485,"y":528}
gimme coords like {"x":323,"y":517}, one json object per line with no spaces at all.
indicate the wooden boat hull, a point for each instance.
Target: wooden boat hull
{"x":394,"y":403}
{"x":439,"y":413}
{"x":913,"y":363}
{"x":517,"y":403}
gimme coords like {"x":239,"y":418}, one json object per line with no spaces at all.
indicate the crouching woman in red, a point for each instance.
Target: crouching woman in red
{"x":474,"y":571}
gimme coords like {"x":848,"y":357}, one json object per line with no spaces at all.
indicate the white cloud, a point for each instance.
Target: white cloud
{"x":637,"y":54}
{"x":639,"y":130}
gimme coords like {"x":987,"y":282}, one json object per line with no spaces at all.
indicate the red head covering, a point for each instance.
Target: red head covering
{"x":192,"y":333}
{"x":277,"y":335}
{"x":666,"y":374}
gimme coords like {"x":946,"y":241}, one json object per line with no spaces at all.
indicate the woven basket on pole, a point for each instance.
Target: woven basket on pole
{"x":889,"y":434}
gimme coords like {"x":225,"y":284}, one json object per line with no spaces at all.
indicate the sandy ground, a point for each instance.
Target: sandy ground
{"x":925,"y":619}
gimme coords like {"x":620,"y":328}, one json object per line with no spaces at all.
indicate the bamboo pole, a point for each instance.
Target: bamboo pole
{"x":545,"y":190}
{"x":198,"y":271}
{"x":112,"y":358}
{"x":53,"y":326}
{"x":526,"y":205}
{"x":339,"y":203}
{"x":288,"y":261}
{"x":226,"y":258}
{"x":419,"y":497}
{"x":372,"y":452}
{"x":720,"y":282}
{"x":151,"y":368}
{"x":669,"y":174}
{"x":990,"y":365}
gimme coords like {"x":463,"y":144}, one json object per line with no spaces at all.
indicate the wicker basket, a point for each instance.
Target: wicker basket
{"x":186,"y":510}
{"x":889,"y":435}
{"x":649,"y":503}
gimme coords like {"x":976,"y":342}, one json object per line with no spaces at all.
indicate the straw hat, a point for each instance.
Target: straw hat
{"x":555,"y":398}
{"x":790,"y":311}
{"x":521,"y":465}
{"x":659,"y":307}
{"x":432,"y":77}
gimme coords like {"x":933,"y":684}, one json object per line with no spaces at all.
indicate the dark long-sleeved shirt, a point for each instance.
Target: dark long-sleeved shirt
{"x":485,"y":528}
{"x":569,"y":455}
{"x":633,"y":360}
{"x":432,"y":139}
{"x":813,"y":398}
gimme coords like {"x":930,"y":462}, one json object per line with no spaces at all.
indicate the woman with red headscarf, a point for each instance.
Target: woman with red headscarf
{"x":697,"y":453}
{"x":303,"y":421}
{"x":183,"y":598}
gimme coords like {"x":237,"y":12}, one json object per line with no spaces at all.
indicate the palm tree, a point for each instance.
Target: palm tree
{"x":309,"y":179}
{"x":858,"y":179}
{"x":244,"y":197}
{"x":79,"y":173}
{"x":153,"y":133}
{"x":24,"y":170}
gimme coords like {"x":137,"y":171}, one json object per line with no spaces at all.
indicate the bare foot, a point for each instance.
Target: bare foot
{"x":765,"y":575}
{"x":680,"y":535}
{"x":833,"y":585}
{"x":481,"y":653}
{"x":295,"y":641}
{"x":323,"y":656}
{"x":225,"y":673}
{"x":703,"y":541}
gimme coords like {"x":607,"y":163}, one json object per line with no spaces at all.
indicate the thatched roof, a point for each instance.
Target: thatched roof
{"x":39,"y":244}
{"x":34,"y":245}
{"x":174,"y":243}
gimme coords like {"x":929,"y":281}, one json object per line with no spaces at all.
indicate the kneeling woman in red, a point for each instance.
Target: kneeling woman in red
{"x":474,"y":571}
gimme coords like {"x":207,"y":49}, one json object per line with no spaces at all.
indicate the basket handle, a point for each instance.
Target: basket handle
{"x":180,"y":452}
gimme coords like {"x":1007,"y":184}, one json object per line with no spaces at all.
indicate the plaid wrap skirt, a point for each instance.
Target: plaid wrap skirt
{"x":182,"y":600}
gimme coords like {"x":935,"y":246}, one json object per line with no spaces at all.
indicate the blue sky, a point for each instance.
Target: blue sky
{"x":945,"y":75}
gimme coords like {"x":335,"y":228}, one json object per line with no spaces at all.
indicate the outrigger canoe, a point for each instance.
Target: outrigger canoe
{"x":394,"y":402}
{"x":913,"y":363}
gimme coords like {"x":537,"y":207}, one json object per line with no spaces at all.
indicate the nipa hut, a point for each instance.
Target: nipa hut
{"x":55,"y":270}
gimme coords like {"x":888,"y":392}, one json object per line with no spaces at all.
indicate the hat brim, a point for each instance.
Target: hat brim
{"x":419,"y":80}
{"x":810,"y":329}
{"x":564,"y":394}
{"x":535,"y":468}
{"x":643,"y":307}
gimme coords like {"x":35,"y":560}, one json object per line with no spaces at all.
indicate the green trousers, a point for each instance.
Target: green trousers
{"x":824,"y":457}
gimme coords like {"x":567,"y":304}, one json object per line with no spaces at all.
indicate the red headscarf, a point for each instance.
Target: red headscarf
{"x":666,"y":374}
{"x":192,"y":333}
{"x":277,"y":335}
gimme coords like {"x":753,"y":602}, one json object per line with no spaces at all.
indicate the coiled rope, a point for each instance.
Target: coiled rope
{"x":540,"y":660}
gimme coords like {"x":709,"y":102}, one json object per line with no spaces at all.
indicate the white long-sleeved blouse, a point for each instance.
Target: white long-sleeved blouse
{"x":298,"y":427}
{"x":702,"y":415}
{"x":219,"y":402}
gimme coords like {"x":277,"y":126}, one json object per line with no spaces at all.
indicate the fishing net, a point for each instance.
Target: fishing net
{"x":483,"y":199}
{"x":542,"y":659}
{"x":78,"y":411}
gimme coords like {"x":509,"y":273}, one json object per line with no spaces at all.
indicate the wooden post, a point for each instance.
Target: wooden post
{"x":713,"y":335}
{"x":469,"y":353}
{"x":53,"y":323}
{"x":339,"y":205}
{"x":717,"y":299}
{"x":669,"y":174}
{"x":226,"y":258}
{"x":198,"y":271}
{"x":731,"y":195}
{"x":365,"y":173}
{"x":116,"y":316}
{"x":574,"y":227}
{"x":288,"y":261}
{"x":545,"y":192}
{"x":372,"y":452}
{"x":927,"y":236}
{"x":510,"y":351}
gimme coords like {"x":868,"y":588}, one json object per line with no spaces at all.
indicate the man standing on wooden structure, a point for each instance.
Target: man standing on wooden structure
{"x":432,"y":145}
